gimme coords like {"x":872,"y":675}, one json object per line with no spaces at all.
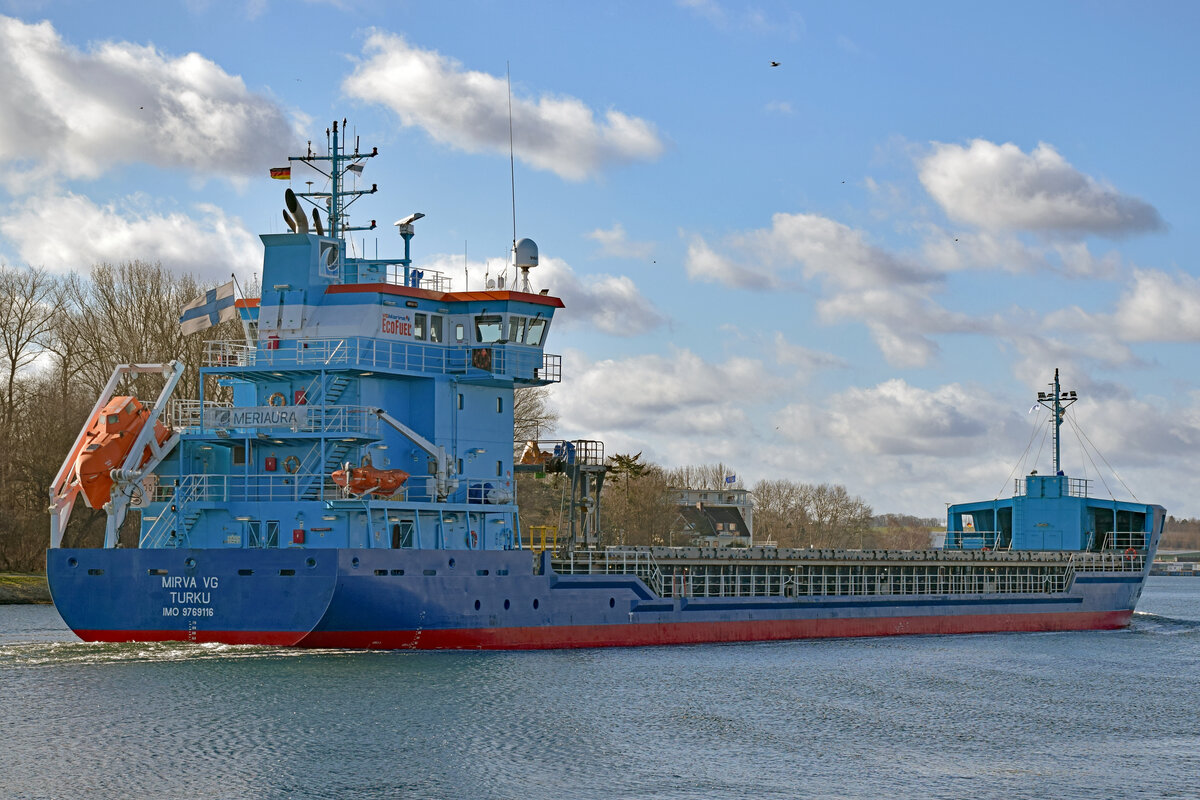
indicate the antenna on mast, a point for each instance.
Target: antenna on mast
{"x":1057,"y":401}
{"x":512,"y":171}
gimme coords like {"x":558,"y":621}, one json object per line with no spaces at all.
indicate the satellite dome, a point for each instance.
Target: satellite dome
{"x":527,"y":254}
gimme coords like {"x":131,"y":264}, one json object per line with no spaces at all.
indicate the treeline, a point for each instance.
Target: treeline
{"x":60,"y":338}
{"x":1182,"y":534}
{"x":637,"y":508}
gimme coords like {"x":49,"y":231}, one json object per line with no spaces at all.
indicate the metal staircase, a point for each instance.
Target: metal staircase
{"x":335,"y":457}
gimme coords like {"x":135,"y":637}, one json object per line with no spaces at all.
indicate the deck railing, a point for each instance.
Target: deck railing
{"x":365,"y":352}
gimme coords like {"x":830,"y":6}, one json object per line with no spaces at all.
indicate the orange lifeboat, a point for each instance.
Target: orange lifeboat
{"x":365,"y":479}
{"x":109,"y":437}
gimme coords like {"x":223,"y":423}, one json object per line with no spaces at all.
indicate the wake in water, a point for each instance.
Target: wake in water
{"x":42,"y":654}
{"x":1146,"y":622}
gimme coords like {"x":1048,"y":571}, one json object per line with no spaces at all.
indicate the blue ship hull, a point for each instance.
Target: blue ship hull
{"x":367,"y":598}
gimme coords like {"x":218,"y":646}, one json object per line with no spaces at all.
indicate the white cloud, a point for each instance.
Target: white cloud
{"x":77,"y":114}
{"x":614,"y":242}
{"x":899,"y":419}
{"x":810,"y":244}
{"x":806,"y":359}
{"x":468,"y":110}
{"x":209,"y":245}
{"x":609,"y":304}
{"x":1160,"y":308}
{"x":787,"y":23}
{"x":705,"y":264}
{"x":655,"y":400}
{"x":891,"y":295}
{"x":1155,"y":307}
{"x":998,"y":187}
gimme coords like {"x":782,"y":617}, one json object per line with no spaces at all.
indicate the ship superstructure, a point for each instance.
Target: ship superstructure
{"x":352,"y":484}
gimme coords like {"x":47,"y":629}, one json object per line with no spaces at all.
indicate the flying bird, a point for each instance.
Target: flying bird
{"x":774,"y":63}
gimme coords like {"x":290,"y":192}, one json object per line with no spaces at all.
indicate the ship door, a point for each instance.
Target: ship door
{"x":402,"y":534}
{"x":258,"y":536}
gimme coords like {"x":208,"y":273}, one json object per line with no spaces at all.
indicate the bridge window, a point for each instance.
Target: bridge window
{"x":537,"y":329}
{"x":419,"y":327}
{"x":488,"y":328}
{"x":435,"y":328}
{"x":516,"y":329}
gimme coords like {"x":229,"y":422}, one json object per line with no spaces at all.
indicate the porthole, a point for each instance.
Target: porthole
{"x":506,"y":605}
{"x":190,"y":563}
{"x":535,"y":603}
{"x":452,"y":563}
{"x":612,"y":602}
{"x":310,"y":562}
{"x":71,"y":562}
{"x":354,"y":562}
{"x":476,"y":605}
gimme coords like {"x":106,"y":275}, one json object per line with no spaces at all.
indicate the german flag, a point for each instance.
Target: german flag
{"x":281,"y":173}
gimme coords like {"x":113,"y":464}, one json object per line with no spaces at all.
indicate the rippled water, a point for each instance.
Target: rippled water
{"x":1063,"y":715}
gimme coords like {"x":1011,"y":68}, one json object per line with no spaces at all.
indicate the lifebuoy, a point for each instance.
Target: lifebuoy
{"x":1130,"y":553}
{"x":472,"y":540}
{"x":985,"y":549}
{"x":291,"y":464}
{"x":277,"y":399}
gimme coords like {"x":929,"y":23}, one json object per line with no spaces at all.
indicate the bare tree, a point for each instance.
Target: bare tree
{"x":29,"y":304}
{"x":808,"y":515}
{"x":533,"y":418}
{"x":704,"y":476}
{"x":130,"y":313}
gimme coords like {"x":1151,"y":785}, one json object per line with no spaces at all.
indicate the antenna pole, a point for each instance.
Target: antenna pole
{"x":512,"y":171}
{"x":1057,"y":401}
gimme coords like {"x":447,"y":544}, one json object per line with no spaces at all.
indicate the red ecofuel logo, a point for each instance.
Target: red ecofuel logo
{"x":398,"y":324}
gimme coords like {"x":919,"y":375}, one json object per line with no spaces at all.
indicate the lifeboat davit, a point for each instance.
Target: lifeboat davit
{"x":366,"y":479}
{"x":110,"y":436}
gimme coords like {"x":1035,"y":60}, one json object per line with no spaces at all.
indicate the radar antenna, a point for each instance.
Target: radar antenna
{"x":337,"y":200}
{"x":1057,"y":401}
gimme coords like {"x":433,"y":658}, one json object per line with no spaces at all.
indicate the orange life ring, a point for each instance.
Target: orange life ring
{"x":277,"y":399}
{"x":985,"y":549}
{"x":1130,"y":553}
{"x":291,"y":464}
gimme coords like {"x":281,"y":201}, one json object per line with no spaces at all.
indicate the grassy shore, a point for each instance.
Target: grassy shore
{"x":22,"y":588}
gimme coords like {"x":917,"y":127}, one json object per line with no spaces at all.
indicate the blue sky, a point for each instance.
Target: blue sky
{"x":856,"y":267}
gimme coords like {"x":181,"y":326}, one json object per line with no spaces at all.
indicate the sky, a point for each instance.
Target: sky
{"x":856,"y":267}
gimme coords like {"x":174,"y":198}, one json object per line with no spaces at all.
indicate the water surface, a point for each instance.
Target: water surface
{"x":1058,"y":715}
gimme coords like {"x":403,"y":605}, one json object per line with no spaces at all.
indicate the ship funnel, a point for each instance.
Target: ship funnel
{"x":526,"y":256}
{"x":297,"y":220}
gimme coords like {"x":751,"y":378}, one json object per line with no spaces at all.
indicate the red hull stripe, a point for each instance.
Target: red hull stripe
{"x":537,"y":638}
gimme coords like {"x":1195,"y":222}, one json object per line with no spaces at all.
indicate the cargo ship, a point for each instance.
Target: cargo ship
{"x":346,"y":479}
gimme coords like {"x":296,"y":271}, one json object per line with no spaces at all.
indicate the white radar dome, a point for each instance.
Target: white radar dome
{"x":527,"y":254}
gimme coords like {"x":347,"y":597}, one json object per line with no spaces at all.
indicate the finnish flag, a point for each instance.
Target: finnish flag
{"x":215,"y":305}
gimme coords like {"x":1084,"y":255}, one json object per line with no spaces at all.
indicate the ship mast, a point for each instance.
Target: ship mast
{"x":338,"y":199}
{"x":1057,"y":401}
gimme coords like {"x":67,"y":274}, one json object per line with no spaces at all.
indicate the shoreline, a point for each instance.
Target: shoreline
{"x":23,"y":589}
